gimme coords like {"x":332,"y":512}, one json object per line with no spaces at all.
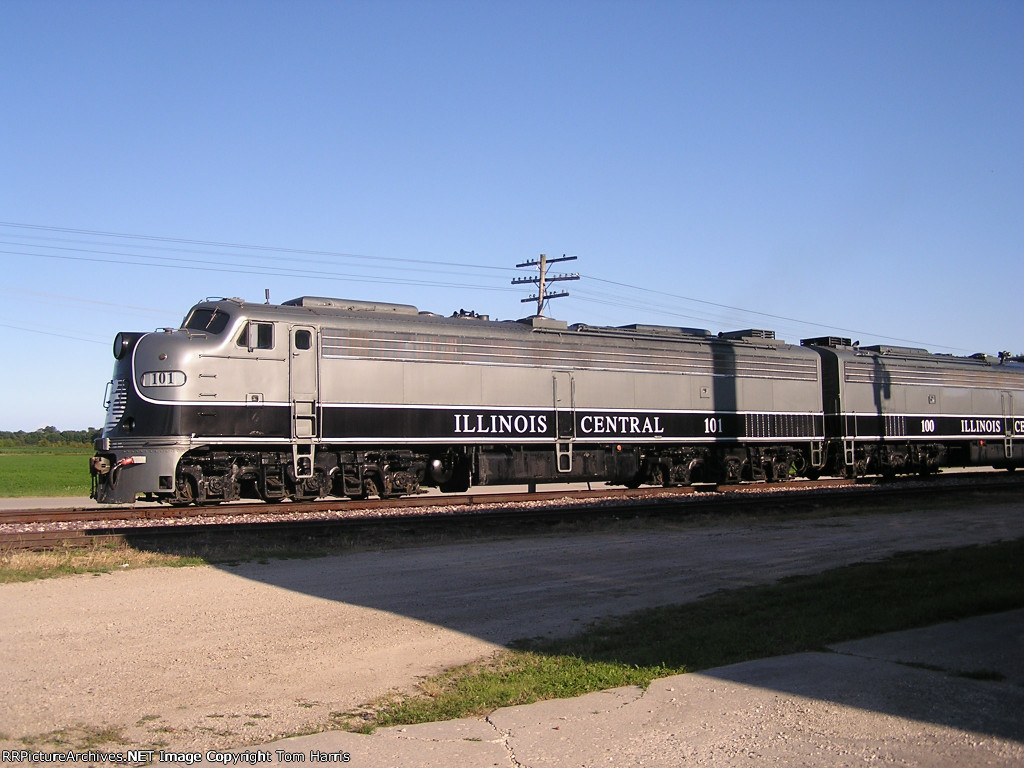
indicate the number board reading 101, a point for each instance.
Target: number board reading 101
{"x":163,"y":379}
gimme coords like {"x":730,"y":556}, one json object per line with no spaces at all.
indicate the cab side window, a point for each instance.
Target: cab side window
{"x":257,"y":336}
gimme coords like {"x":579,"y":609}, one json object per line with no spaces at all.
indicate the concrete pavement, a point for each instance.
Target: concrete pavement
{"x":949,"y":695}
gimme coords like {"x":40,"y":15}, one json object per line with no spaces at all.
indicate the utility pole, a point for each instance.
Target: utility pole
{"x":543,"y":279}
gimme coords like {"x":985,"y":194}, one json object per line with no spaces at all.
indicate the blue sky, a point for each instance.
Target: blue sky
{"x":810,"y":167}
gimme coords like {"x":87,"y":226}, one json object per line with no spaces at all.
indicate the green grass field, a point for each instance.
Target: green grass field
{"x":44,"y":472}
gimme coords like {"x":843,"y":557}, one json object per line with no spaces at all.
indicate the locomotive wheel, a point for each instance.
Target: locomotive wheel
{"x":460,"y":481}
{"x":187,"y":491}
{"x":370,"y":488}
{"x":733,"y":470}
{"x":662,"y":475}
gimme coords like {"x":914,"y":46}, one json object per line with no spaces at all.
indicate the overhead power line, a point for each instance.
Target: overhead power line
{"x":235,"y":269}
{"x":251,"y":247}
{"x":123,"y":249}
{"x":58,"y":334}
{"x":809,"y":323}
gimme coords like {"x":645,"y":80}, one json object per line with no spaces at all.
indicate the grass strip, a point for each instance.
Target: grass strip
{"x":19,"y":565}
{"x":802,"y":613}
{"x":56,"y":473}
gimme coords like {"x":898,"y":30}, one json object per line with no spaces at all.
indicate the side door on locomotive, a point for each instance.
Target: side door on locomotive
{"x":303,"y":396}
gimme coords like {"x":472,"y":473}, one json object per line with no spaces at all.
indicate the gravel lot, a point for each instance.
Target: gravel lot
{"x":200,"y":658}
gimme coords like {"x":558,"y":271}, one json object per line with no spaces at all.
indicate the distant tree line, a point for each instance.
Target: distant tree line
{"x":49,"y":436}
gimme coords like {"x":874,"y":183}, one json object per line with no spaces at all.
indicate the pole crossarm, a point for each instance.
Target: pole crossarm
{"x":543,"y":279}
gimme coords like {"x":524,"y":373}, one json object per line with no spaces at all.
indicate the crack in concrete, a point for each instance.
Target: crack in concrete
{"x":506,"y":741}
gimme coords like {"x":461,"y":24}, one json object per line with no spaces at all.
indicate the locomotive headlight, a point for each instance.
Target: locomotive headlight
{"x":122,"y":343}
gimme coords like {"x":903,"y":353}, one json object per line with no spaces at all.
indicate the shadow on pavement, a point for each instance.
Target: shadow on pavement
{"x":503,"y":590}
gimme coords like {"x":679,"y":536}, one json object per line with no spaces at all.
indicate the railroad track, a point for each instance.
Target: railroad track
{"x":465,"y":500}
{"x":163,"y":512}
{"x":99,"y":526}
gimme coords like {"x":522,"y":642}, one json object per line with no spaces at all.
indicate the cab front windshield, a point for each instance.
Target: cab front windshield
{"x":207,"y":320}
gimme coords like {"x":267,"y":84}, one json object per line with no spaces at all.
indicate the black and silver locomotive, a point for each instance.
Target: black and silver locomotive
{"x":321,"y":396}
